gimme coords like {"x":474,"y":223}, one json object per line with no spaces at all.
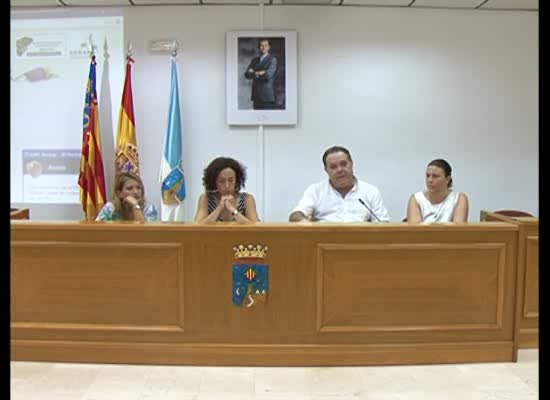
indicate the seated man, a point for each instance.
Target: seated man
{"x":342,"y":197}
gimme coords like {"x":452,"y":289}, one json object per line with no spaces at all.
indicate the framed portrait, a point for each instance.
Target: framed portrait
{"x":261,"y":69}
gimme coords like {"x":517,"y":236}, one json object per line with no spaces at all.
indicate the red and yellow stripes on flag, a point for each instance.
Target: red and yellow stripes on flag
{"x":250,"y":274}
{"x":126,"y":157}
{"x":91,"y":180}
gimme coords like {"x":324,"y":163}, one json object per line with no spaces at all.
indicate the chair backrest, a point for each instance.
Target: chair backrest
{"x":513,"y":213}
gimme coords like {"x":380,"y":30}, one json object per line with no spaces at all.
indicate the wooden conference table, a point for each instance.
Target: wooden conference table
{"x":353,"y":294}
{"x":528,"y":271}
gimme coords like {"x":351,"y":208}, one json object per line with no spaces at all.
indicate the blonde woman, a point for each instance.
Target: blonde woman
{"x":128,"y":202}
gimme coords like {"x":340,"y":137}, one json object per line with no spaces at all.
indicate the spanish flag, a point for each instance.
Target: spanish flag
{"x":126,"y":157}
{"x":91,"y":180}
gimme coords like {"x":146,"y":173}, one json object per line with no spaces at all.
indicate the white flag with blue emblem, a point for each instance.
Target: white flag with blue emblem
{"x":171,"y":167}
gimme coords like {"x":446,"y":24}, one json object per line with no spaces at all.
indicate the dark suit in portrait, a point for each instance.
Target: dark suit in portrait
{"x":262,"y":70}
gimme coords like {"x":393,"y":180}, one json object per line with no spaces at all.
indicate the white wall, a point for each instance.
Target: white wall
{"x":398,"y":87}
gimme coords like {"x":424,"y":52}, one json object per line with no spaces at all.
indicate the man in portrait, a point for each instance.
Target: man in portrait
{"x":262,"y":70}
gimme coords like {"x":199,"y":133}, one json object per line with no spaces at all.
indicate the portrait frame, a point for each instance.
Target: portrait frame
{"x":240,"y":108}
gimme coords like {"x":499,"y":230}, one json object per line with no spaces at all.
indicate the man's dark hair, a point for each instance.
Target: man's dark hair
{"x":445,"y":166}
{"x":335,"y":149}
{"x":264,"y":40}
{"x":217,"y":165}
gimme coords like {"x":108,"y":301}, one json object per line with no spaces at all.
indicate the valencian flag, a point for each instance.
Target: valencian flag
{"x":171,"y":165}
{"x":91,"y":180}
{"x":126,"y":156}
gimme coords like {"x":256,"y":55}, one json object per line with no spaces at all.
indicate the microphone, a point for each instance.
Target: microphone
{"x":367,"y":207}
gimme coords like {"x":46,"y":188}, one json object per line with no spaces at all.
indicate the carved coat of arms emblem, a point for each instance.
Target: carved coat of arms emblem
{"x":250,"y":276}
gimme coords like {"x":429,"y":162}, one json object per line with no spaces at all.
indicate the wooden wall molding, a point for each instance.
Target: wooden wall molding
{"x":391,"y":252}
{"x":262,"y":355}
{"x":42,"y":271}
{"x":528,"y":275}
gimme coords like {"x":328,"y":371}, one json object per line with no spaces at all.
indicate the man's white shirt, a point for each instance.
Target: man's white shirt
{"x":322,"y":202}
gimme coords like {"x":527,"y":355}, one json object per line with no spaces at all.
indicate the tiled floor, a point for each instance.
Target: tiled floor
{"x":48,"y":381}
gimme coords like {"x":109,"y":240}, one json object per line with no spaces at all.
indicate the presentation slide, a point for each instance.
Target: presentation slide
{"x":49,"y":67}
{"x":49,"y":176}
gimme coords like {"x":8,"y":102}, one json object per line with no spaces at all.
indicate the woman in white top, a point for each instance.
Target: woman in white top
{"x":438,"y":203}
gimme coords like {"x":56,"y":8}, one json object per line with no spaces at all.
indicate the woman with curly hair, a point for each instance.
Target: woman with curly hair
{"x":223,"y":199}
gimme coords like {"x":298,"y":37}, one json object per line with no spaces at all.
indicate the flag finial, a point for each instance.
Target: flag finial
{"x":175,"y":49}
{"x":92,"y":46}
{"x":129,"y":53}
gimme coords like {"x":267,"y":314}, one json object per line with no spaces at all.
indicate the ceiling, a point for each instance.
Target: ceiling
{"x":520,"y":5}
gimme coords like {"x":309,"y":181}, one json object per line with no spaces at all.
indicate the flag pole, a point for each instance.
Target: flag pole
{"x":91,"y":178}
{"x":171,"y":173}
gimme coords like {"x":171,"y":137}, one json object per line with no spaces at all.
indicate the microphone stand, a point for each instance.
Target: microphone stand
{"x":367,"y":207}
